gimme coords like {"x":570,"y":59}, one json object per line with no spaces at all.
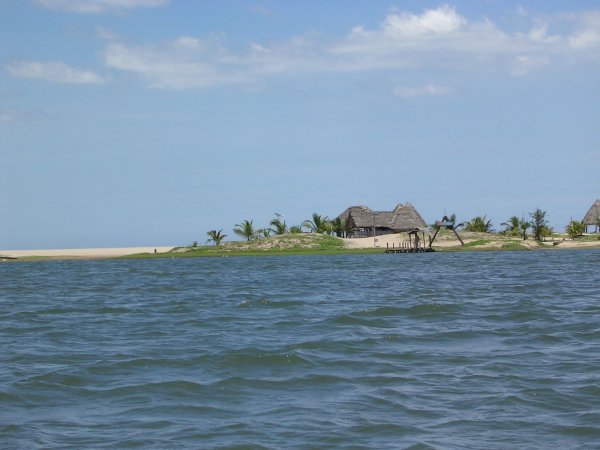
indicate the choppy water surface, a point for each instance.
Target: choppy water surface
{"x":476,"y":350}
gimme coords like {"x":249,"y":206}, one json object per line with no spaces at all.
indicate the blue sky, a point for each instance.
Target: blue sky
{"x":150,"y":122}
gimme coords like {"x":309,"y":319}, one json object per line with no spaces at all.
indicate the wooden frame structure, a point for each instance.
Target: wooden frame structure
{"x":445,"y":222}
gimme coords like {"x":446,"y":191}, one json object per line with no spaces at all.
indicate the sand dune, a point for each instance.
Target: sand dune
{"x":449,"y":240}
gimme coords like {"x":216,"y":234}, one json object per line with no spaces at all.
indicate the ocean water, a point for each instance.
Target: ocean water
{"x":469,"y":350}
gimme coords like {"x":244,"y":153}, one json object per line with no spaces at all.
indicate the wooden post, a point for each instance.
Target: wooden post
{"x":437,"y":230}
{"x":461,"y":241}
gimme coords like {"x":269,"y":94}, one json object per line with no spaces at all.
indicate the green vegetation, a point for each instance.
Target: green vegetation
{"x":478,"y":224}
{"x":318,"y":224}
{"x":324,"y":237}
{"x":512,"y":227}
{"x":214,"y":236}
{"x":245,"y":229}
{"x":518,"y":227}
{"x":263,"y":233}
{"x":539,"y":224}
{"x":279,"y":245}
{"x":575,"y":229}
{"x":339,"y":227}
{"x":513,"y":245}
{"x":279,"y":227}
{"x":477,"y":243}
{"x":546,"y":231}
{"x":524,"y":226}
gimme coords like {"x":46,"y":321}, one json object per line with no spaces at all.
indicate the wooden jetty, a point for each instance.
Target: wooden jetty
{"x":405,"y":247}
{"x":414,"y":245}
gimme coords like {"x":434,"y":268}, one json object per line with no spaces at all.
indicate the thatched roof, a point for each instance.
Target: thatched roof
{"x":357,"y":210}
{"x":592,"y":216}
{"x":407,"y":218}
{"x":402,"y":218}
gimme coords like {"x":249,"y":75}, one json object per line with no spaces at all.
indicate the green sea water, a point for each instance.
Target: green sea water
{"x":470,"y":350}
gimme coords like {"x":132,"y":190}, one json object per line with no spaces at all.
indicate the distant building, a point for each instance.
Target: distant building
{"x":362,"y":221}
{"x":593,"y":216}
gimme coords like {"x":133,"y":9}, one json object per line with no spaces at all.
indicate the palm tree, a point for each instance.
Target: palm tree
{"x":339,"y":227}
{"x":538,"y":223}
{"x":546,"y":231}
{"x":263,"y":232}
{"x":524,"y":225}
{"x":512,"y":226}
{"x":296,"y":229}
{"x":575,"y":229}
{"x":279,"y":227}
{"x":318,"y":224}
{"x":478,"y":224}
{"x":216,"y":236}
{"x":244,"y":229}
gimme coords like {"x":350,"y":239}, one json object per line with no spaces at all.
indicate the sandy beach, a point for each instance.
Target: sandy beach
{"x":447,"y":240}
{"x":81,"y":253}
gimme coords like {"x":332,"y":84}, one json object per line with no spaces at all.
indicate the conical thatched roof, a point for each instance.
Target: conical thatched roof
{"x":592,"y":216}
{"x":407,"y":218}
{"x":402,"y":218}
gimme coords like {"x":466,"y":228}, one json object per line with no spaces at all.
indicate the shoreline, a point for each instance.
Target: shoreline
{"x":79,"y":253}
{"x":473,"y":243}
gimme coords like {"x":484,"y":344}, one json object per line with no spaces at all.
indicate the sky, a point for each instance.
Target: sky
{"x":151,"y":122}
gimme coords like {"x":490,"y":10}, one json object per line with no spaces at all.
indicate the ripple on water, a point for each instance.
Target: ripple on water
{"x":472,"y":350}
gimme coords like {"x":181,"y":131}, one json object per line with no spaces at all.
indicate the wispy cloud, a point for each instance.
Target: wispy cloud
{"x":427,"y":90}
{"x":99,"y":6}
{"x":184,"y":63}
{"x":432,"y":39}
{"x":53,"y":71}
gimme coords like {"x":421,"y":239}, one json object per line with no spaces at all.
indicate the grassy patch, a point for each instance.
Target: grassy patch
{"x":283,"y":245}
{"x":513,"y":245}
{"x":477,"y":243}
{"x":481,"y":246}
{"x":272,"y":252}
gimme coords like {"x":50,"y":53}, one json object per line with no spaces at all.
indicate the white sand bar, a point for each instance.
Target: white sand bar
{"x":83,"y":252}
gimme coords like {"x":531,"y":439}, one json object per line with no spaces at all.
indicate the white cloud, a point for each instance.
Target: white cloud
{"x":434,"y":21}
{"x":585,"y":39}
{"x":53,"y":71}
{"x":184,"y":63}
{"x":540,"y":35}
{"x":99,"y":6}
{"x":427,"y":90}
{"x":435,"y":38}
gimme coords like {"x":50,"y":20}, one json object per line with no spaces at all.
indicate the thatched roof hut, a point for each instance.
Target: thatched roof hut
{"x":361,"y":220}
{"x":593,"y":215}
